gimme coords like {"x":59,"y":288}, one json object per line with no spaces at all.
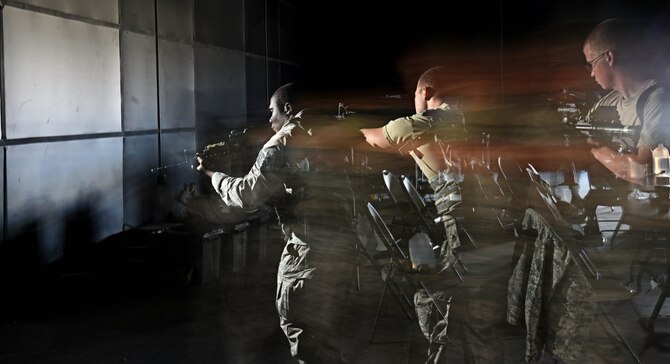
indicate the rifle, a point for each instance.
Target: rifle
{"x":612,"y":135}
{"x":219,"y":156}
{"x":602,"y":125}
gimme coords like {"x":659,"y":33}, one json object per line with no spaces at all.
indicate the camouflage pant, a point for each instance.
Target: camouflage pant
{"x":447,"y":191}
{"x":447,"y":251}
{"x":312,"y":288}
{"x":432,"y":307}
{"x":432,"y":312}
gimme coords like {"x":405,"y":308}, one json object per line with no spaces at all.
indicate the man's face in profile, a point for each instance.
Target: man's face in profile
{"x":597,"y":63}
{"x":278,"y":114}
{"x":420,"y":103}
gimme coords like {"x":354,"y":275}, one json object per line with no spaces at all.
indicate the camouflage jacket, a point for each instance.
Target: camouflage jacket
{"x":549,"y":292}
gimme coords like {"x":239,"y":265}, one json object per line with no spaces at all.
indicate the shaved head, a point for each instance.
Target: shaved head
{"x":619,"y":35}
{"x":435,"y":78}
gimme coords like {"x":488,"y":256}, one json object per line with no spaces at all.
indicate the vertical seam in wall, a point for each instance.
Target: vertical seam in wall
{"x":502,"y":78}
{"x":267,"y":53}
{"x":279,"y":55}
{"x":123,"y":117}
{"x":246,"y":71}
{"x":158,"y":89}
{"x":195,"y":77}
{"x":3,"y":123}
{"x":244,"y":26}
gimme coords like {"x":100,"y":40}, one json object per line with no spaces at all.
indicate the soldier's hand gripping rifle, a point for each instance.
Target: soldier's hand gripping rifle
{"x":219,"y":156}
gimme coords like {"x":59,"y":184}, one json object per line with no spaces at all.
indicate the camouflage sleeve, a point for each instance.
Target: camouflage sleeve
{"x":257,"y":186}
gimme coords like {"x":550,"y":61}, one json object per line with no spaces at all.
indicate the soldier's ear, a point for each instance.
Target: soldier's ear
{"x":429,"y":92}
{"x":610,"y":57}
{"x":288,"y":108}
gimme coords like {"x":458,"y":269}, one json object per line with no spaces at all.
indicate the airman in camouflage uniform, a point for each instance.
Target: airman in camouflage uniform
{"x":316,"y":265}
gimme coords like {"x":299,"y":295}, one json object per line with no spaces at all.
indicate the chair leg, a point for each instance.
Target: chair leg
{"x":657,"y":308}
{"x":665,"y":292}
{"x":397,"y":294}
{"x":460,"y":262}
{"x":616,"y":230}
{"x":637,"y":265}
{"x":589,"y":264}
{"x":458,"y":274}
{"x":379,"y":309}
{"x":467,"y":233}
{"x":358,"y":277}
{"x":357,"y":274}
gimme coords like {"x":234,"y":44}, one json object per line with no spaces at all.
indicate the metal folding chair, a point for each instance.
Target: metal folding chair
{"x":431,"y":220}
{"x":542,"y":201}
{"x":399,"y":269}
{"x":403,"y":217}
{"x":486,"y":192}
{"x":514,"y":180}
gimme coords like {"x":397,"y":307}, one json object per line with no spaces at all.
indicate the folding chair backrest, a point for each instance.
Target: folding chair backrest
{"x":512,"y":175}
{"x":537,"y":178}
{"x":396,"y":190}
{"x":385,"y":234}
{"x":367,"y":239}
{"x":516,"y":182}
{"x":545,"y":206}
{"x":541,"y":196}
{"x":406,"y":215}
{"x":426,"y":216}
{"x":414,"y":196}
{"x":479,"y":184}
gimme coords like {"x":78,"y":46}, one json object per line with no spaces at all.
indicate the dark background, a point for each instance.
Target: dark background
{"x":385,"y":45}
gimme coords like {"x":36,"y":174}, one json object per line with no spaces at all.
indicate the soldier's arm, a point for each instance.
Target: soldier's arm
{"x":376,"y":138}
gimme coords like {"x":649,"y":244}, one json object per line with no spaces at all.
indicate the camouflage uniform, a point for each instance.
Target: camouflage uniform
{"x":425,"y":136}
{"x":558,"y":311}
{"x":316,"y":266}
